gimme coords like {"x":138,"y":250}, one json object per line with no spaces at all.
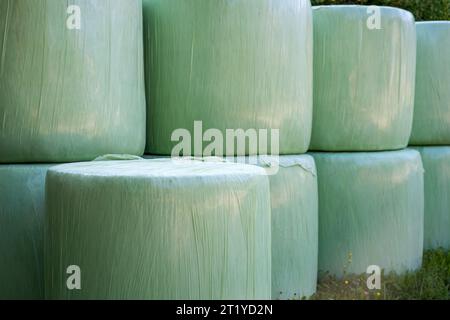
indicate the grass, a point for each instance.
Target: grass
{"x":431,"y":282}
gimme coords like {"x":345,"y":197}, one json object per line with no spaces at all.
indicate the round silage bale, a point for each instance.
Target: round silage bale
{"x":294,"y":202}
{"x":21,"y":231}
{"x":158,"y":229}
{"x":436,"y":161}
{"x":371,"y":211}
{"x":431,"y":124}
{"x":71,"y":80}
{"x":243,"y":64}
{"x":363,"y":78}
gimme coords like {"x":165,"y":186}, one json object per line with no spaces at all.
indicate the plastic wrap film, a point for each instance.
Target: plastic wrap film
{"x":158,"y":229}
{"x":21,"y":231}
{"x":364,"y":78}
{"x":436,"y":161}
{"x":111,"y":157}
{"x":242,"y":64}
{"x":294,"y":201}
{"x":371,"y":211}
{"x":69,"y":94}
{"x":431,"y":124}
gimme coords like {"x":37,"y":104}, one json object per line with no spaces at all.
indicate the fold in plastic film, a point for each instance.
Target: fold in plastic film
{"x":371,"y":211}
{"x":157,"y":229}
{"x":364,"y":78}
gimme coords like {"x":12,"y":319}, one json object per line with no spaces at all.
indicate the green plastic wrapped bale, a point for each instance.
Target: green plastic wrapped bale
{"x":69,"y":94}
{"x":158,"y":229}
{"x":371,"y":211}
{"x":436,"y":161}
{"x":21,"y":231}
{"x":364,"y":78}
{"x":241,"y":64}
{"x":294,"y":199}
{"x":431,"y":124}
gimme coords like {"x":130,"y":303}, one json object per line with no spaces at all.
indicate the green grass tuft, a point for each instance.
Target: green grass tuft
{"x":431,"y":282}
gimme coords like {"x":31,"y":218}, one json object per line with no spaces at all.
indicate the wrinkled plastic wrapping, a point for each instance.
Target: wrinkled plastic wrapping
{"x":371,"y":211}
{"x":68,"y":94}
{"x":294,"y":201}
{"x":157,"y":229}
{"x":432,"y":107}
{"x":110,"y":157}
{"x":243,"y":64}
{"x":364,"y":79}
{"x":436,"y":161}
{"x":21,"y":231}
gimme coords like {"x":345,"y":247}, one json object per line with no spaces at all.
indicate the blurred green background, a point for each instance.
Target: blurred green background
{"x":422,"y":9}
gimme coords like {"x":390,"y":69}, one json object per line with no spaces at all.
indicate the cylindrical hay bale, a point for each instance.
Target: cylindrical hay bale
{"x":436,"y":161}
{"x":364,"y":78}
{"x":294,"y":200}
{"x":21,"y":231}
{"x":71,"y":80}
{"x":431,"y":124}
{"x":157,"y":229}
{"x":371,"y":211}
{"x":243,"y":64}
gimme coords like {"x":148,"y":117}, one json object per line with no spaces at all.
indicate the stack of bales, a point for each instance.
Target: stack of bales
{"x":200,"y":229}
{"x":154,"y":229}
{"x":241,"y":65}
{"x":141,"y":229}
{"x":65,"y":95}
{"x":370,"y":188}
{"x":431,"y":128}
